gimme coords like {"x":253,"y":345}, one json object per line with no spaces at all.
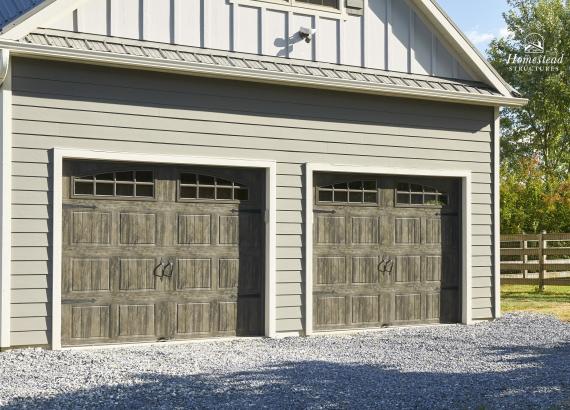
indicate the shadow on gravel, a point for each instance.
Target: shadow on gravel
{"x":543,"y":381}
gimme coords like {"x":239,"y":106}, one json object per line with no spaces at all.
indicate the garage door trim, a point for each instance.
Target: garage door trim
{"x":465,"y":176}
{"x":270,"y":167}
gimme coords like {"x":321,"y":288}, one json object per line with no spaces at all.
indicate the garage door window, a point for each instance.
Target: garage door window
{"x":419,"y":195}
{"x":354,"y":192}
{"x":124,"y":184}
{"x":205,"y":187}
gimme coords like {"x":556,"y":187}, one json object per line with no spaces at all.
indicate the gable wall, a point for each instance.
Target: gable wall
{"x":390,"y":35}
{"x":81,"y":106}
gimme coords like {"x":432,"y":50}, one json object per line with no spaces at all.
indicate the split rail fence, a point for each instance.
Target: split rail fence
{"x":536,"y":259}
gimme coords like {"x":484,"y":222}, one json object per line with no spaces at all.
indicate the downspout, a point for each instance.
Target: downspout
{"x":4,"y":64}
{"x":6,"y":195}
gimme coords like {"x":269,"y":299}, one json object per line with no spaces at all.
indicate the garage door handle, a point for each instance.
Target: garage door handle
{"x":323,"y":211}
{"x":386,"y":265}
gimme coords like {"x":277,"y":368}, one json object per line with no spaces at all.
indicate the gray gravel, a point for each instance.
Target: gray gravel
{"x":520,"y":361}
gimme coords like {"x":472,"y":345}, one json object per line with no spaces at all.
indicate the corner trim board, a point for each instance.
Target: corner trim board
{"x":497,"y":211}
{"x":60,"y":154}
{"x":465,"y":176}
{"x":6,"y":192}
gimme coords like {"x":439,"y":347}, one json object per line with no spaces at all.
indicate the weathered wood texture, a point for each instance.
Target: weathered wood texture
{"x":88,"y":107}
{"x":383,"y":263}
{"x":114,"y":287}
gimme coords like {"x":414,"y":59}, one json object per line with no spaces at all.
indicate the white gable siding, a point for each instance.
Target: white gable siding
{"x":390,"y":35}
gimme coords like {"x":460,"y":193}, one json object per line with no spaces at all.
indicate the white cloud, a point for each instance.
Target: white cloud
{"x":479,"y":38}
{"x":504,"y":32}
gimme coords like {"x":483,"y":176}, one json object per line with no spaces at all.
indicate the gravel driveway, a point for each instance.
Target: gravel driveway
{"x":520,"y":361}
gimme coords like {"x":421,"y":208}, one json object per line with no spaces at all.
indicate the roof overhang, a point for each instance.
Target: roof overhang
{"x":168,"y":58}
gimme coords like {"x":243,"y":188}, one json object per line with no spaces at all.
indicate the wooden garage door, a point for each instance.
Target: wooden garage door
{"x":160,"y":252}
{"x":386,"y":251}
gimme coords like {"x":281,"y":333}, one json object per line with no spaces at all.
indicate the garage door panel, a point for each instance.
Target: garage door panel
{"x":91,"y":228}
{"x":407,"y":230}
{"x":194,"y":274}
{"x":193,"y":318}
{"x":365,"y":309}
{"x":137,"y":228}
{"x":330,"y":230}
{"x":408,"y":307}
{"x":88,"y":322}
{"x":407,"y":268}
{"x":136,"y":274}
{"x":331,"y":310}
{"x":136,"y":320}
{"x":194,"y":229}
{"x":164,"y":266}
{"x":385,"y":262}
{"x":330,"y":270}
{"x":365,"y":230}
{"x":241,"y":230}
{"x":431,"y":306}
{"x":86,"y":275}
{"x":364,"y":269}
{"x":432,"y":268}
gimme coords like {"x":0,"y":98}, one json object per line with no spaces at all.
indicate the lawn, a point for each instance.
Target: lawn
{"x":554,"y":300}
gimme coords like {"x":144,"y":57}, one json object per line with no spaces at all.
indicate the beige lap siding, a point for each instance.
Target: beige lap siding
{"x":87,"y":107}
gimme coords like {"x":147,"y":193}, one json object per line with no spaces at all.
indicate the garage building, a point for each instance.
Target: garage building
{"x":182,"y":169}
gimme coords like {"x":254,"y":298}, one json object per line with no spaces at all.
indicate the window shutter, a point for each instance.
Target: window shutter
{"x":355,"y":7}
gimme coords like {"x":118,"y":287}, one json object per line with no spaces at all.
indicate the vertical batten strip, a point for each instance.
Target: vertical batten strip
{"x":433,"y":53}
{"x":388,"y":33}
{"x":6,"y":192}
{"x":411,"y":43}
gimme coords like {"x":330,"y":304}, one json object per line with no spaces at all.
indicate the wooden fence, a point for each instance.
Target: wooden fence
{"x":536,"y":259}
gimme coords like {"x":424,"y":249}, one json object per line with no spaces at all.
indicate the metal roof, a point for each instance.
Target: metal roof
{"x":10,"y":10}
{"x":253,"y":63}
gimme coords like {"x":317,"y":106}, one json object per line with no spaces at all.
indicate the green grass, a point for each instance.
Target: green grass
{"x":554,"y":300}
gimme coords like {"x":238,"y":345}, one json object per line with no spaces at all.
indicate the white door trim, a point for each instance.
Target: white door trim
{"x":311,"y":168}
{"x":61,"y":154}
{"x":497,"y":211}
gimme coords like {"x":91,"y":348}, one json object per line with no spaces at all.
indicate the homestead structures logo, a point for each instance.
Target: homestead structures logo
{"x":535,"y":57}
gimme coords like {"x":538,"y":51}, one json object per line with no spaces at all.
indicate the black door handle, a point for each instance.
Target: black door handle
{"x":386,"y":265}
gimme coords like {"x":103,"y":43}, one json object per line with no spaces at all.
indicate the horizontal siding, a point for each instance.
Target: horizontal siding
{"x":68,"y":106}
{"x":29,"y":338}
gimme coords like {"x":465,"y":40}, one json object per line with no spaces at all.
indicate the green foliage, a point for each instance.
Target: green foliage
{"x":535,"y":146}
{"x":531,"y":201}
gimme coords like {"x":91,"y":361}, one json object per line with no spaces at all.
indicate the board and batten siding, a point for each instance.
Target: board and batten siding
{"x":88,"y":107}
{"x":390,"y":34}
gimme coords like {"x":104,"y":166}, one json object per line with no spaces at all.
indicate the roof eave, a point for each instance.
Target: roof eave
{"x":207,"y":70}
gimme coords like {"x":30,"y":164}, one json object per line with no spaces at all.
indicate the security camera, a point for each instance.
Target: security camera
{"x":307,"y":33}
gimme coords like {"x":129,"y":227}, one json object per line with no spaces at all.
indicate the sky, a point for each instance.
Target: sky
{"x":481,"y":20}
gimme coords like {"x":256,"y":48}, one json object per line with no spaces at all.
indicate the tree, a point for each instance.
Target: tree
{"x":541,"y":130}
{"x":535,"y":143}
{"x":529,"y":204}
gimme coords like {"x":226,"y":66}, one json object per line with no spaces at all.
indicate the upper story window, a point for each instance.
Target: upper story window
{"x":322,"y":4}
{"x":129,"y":184}
{"x":420,"y":195}
{"x":197,"y":186}
{"x":325,"y":3}
{"x":354,"y":192}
